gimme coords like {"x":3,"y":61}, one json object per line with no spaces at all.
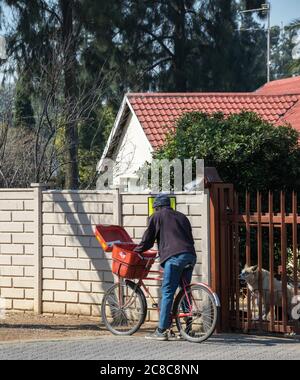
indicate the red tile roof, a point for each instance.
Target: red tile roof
{"x":289,"y":86}
{"x":158,"y":112}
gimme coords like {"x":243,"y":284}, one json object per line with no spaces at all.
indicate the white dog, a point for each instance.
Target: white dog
{"x":251,"y":276}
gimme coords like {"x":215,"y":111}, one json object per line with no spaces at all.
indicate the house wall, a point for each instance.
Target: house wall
{"x":50,"y":260}
{"x":134,"y":149}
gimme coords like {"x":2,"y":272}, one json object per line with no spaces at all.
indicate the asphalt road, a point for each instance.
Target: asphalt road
{"x":224,"y":347}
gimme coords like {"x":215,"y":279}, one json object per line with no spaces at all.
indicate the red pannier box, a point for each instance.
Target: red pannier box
{"x":126,"y":263}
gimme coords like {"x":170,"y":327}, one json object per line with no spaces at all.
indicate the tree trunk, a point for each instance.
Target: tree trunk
{"x":71,"y":133}
{"x":180,"y":79}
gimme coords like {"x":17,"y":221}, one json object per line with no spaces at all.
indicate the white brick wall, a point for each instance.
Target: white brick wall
{"x":16,"y":242}
{"x":73,"y":262}
{"x":74,"y":272}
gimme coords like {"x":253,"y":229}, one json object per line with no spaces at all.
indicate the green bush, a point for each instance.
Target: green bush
{"x":246,"y":150}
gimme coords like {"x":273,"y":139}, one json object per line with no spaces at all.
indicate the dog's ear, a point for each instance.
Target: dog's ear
{"x":246,"y":266}
{"x":254,"y":268}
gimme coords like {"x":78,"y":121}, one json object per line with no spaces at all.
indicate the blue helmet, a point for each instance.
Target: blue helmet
{"x":162,"y":200}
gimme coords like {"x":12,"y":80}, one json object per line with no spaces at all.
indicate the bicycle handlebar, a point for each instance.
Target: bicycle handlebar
{"x":147,"y":258}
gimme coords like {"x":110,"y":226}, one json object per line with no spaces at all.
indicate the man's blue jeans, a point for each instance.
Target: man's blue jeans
{"x":173,"y":270}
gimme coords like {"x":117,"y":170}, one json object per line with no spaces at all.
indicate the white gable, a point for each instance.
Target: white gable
{"x":133,"y":147}
{"x":133,"y":150}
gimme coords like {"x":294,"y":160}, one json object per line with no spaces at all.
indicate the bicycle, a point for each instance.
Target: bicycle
{"x":124,"y":306}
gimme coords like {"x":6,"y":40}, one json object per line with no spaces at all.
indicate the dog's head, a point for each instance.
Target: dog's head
{"x":249,"y":274}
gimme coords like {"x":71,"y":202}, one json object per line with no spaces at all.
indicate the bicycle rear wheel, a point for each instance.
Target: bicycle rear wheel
{"x":124,"y":308}
{"x":196,"y":313}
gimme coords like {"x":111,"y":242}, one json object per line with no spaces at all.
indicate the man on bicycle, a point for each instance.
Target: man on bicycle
{"x":173,"y":232}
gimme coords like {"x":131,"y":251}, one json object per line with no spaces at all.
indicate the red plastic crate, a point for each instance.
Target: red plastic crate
{"x":129,"y":264}
{"x":126,"y":262}
{"x":108,"y":235}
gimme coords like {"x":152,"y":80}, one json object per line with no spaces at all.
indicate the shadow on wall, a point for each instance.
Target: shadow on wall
{"x":83,"y":231}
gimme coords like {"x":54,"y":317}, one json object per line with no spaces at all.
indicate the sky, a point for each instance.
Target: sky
{"x":284,"y":11}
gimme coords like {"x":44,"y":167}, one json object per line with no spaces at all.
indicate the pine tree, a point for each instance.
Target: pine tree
{"x":24,"y":114}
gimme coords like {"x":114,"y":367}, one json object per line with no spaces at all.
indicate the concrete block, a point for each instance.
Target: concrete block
{"x":134,"y":199}
{"x":66,"y":207}
{"x":96,"y":310}
{"x":138,"y":233}
{"x":196,"y":209}
{"x":11,"y":205}
{"x":48,"y":274}
{"x":48,"y":207}
{"x":29,"y":294}
{"x":48,"y":295}
{"x":183,"y":208}
{"x":90,"y":208}
{"x":29,"y":271}
{"x":78,"y":309}
{"x":25,"y":305}
{"x":11,"y":227}
{"x":196,"y":221}
{"x":107,"y":208}
{"x":22,"y":238}
{"x":77,"y":241}
{"x":54,"y":218}
{"x":22,"y":216}
{"x":25,"y":282}
{"x":135,"y":221}
{"x":5,"y":216}
{"x":26,"y":261}
{"x":12,"y":249}
{"x":77,"y":264}
{"x":127,"y":209}
{"x":5,"y":260}
{"x":99,"y":287}
{"x":29,"y":249}
{"x":5,"y":282}
{"x":54,"y":240}
{"x":48,"y":229}
{"x":85,"y":230}
{"x":65,"y":274}
{"x":47,"y":251}
{"x":141,"y":209}
{"x":11,"y":271}
{"x":65,"y":229}
{"x":90,"y":298}
{"x":5,"y":238}
{"x":29,"y":205}
{"x":79,"y":286}
{"x":65,"y":297}
{"x":102,"y":265}
{"x":65,"y":252}
{"x":54,"y":308}
{"x":29,"y":227}
{"x":101,"y":219}
{"x":53,"y":263}
{"x":12,"y":293}
{"x":90,"y":253}
{"x":197,"y":233}
{"x":91,"y":276}
{"x":54,"y":285}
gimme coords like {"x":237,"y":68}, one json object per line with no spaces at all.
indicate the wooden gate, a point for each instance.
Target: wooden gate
{"x":260,"y":231}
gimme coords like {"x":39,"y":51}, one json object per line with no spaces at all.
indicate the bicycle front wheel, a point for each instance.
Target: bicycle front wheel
{"x":196,"y":313}
{"x":124,"y":308}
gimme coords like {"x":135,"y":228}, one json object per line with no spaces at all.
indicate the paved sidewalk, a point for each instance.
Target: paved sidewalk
{"x":135,"y":348}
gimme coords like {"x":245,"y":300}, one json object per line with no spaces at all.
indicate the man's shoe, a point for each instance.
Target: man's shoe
{"x":157,"y":335}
